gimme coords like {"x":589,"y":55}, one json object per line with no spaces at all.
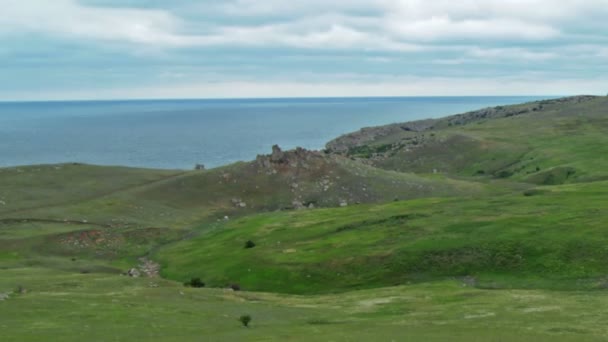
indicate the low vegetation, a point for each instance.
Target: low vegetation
{"x":484,"y":226}
{"x":245,"y":320}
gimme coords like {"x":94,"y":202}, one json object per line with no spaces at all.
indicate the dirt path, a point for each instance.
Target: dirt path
{"x":36,"y":220}
{"x":149,"y":267}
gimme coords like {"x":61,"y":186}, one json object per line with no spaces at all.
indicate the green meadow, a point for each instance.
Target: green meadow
{"x":488,"y":226}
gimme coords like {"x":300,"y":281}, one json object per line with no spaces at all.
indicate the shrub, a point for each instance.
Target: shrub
{"x":505,"y":174}
{"x":249,"y":244}
{"x":195,"y":282}
{"x":245,"y":320}
{"x":235,"y":287}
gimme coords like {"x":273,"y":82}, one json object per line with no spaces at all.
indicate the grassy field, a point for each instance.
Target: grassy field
{"x":491,"y":226}
{"x":552,"y":237}
{"x":68,"y":306}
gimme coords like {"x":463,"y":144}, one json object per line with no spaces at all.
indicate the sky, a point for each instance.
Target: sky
{"x":127,"y":49}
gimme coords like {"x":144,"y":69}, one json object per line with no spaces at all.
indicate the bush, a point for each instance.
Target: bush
{"x":249,"y":244}
{"x":505,"y":174}
{"x":235,"y":287}
{"x":20,"y":290}
{"x":245,"y":319}
{"x":195,"y":282}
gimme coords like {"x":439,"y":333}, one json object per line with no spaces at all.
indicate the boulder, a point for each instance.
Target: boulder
{"x":133,"y":272}
{"x":277,"y":156}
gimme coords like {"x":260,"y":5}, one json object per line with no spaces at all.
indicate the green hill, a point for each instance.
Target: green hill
{"x":489,"y":225}
{"x":552,"y":238}
{"x":545,"y":142}
{"x":290,"y":180}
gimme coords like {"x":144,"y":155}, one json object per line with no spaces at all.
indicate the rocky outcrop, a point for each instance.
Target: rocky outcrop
{"x":280,"y":160}
{"x":367,"y":136}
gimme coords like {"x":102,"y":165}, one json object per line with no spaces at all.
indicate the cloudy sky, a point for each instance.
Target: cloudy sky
{"x":107,"y":49}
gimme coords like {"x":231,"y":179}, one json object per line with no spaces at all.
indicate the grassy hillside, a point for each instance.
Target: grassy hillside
{"x":552,"y":237}
{"x":546,"y":142}
{"x":151,"y":198}
{"x":40,"y":186}
{"x":485,"y":226}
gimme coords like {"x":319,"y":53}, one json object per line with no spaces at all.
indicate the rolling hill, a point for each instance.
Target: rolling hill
{"x":488,"y":225}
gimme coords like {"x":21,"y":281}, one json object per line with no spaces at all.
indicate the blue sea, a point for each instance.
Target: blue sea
{"x":177,"y":134}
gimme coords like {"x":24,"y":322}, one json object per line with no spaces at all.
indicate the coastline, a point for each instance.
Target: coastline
{"x":48,"y":147}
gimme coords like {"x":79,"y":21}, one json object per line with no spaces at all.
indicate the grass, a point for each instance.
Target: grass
{"x":552,"y":240}
{"x":563,"y":136}
{"x":499,"y":235}
{"x":102,"y":307}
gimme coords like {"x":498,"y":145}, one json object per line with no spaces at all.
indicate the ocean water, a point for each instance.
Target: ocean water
{"x":177,"y":134}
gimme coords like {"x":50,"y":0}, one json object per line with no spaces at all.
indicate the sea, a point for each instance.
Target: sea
{"x":177,"y":134}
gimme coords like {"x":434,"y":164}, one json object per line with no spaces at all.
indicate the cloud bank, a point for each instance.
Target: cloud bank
{"x":111,"y":44}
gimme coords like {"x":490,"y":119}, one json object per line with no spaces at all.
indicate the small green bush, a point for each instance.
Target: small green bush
{"x":505,"y":174}
{"x":245,"y":320}
{"x":249,"y":244}
{"x":195,"y":282}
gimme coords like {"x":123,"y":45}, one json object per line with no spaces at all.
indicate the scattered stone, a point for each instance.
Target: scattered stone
{"x":480,"y":315}
{"x":149,"y":267}
{"x":134,"y":273}
{"x":343,"y":204}
{"x":298,"y":205}
{"x":4,"y":296}
{"x":469,"y":281}
{"x":2,"y":203}
{"x":237,"y":202}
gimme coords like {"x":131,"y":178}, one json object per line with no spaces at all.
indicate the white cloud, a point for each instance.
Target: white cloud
{"x":162,"y":29}
{"x":511,"y":54}
{"x":406,"y":86}
{"x":250,"y":8}
{"x":423,"y":37}
{"x":400,"y":25}
{"x":68,"y":18}
{"x":444,"y":28}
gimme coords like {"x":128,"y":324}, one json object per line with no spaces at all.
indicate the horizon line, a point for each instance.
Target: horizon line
{"x":2,"y":101}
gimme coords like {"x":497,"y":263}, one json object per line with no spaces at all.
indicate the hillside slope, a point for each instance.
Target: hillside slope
{"x":551,"y":237}
{"x":545,"y":142}
{"x":472,"y":227}
{"x":298,"y":179}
